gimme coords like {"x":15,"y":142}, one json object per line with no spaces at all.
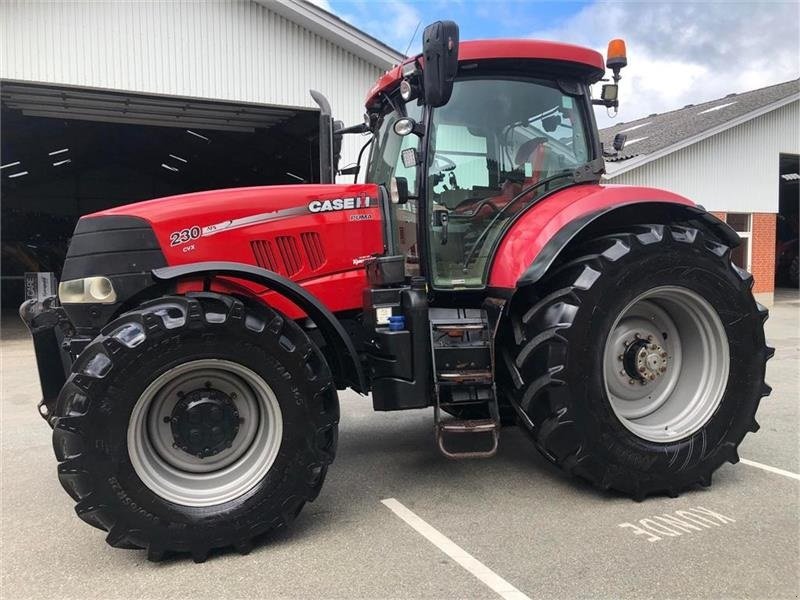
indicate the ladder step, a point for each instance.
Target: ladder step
{"x":483,"y":377}
{"x":482,"y":427}
{"x":459,"y":326}
{"x":468,"y":402}
{"x":469,"y":426}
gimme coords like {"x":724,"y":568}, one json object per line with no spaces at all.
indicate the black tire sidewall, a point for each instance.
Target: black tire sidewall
{"x":294,"y":476}
{"x":668,"y":263}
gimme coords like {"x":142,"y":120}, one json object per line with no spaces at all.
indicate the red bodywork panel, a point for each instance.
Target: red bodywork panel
{"x":493,"y":49}
{"x":523,"y":242}
{"x":316,"y":235}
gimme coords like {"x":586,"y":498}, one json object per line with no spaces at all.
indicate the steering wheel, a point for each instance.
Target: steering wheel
{"x":475,"y":211}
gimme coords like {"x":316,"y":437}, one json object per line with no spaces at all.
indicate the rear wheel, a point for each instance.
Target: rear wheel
{"x":638,"y":363}
{"x":195,"y":423}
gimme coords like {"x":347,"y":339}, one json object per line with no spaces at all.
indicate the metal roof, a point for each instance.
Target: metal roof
{"x":659,"y":134}
{"x":337,"y":30}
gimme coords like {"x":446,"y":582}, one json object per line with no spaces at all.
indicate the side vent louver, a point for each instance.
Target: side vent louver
{"x":282,"y":254}
{"x":287,"y":248}
{"x":265,"y":256}
{"x":314,"y":251}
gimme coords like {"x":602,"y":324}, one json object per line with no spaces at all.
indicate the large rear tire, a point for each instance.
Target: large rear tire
{"x":638,"y":363}
{"x":195,"y":423}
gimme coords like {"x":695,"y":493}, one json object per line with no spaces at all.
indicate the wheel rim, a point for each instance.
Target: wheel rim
{"x":204,"y":432}
{"x":666,"y":363}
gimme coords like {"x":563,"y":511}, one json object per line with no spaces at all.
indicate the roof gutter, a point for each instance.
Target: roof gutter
{"x":331,"y":27}
{"x":646,"y":158}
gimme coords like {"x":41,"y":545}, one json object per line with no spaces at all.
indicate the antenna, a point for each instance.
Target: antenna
{"x":413,"y":35}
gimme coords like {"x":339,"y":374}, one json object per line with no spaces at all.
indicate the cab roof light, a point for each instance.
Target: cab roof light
{"x":617,"y":56}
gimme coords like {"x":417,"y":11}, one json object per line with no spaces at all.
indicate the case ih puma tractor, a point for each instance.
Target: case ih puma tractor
{"x":191,"y":360}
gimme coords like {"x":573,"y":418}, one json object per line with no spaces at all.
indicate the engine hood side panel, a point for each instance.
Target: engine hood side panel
{"x":316,"y":235}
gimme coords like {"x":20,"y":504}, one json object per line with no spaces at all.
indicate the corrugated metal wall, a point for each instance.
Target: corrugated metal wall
{"x":733,"y":171}
{"x":219,"y":49}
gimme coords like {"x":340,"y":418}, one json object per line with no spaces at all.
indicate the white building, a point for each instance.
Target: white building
{"x":105,"y":103}
{"x":737,"y":156}
{"x":265,"y":52}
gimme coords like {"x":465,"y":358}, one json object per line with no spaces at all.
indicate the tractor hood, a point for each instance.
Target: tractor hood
{"x":191,"y":218}
{"x":220,"y":224}
{"x":317,"y":235}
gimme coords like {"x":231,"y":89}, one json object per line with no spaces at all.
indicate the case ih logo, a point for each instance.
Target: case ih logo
{"x":339,"y":204}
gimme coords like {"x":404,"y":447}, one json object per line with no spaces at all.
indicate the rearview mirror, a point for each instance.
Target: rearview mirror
{"x":440,"y":53}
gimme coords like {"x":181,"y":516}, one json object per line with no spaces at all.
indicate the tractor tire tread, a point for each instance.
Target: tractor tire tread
{"x":70,"y":445}
{"x":537,"y":340}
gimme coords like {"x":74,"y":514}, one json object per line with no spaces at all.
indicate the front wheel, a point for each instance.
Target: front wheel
{"x":195,"y":423}
{"x":639,"y":362}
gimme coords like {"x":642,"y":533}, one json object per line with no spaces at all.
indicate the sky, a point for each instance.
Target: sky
{"x":679,"y":53}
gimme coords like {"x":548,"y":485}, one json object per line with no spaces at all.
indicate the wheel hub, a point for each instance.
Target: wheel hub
{"x":204,"y":422}
{"x":666,"y":363}
{"x":644,"y":360}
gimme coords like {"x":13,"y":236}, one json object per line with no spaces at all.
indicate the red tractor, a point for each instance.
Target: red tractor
{"x":191,"y":361}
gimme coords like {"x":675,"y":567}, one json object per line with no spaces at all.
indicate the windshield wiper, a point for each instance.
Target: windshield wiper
{"x":589,"y":172}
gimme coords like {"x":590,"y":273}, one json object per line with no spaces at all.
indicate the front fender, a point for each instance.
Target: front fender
{"x":348,"y":372}
{"x":538,"y":236}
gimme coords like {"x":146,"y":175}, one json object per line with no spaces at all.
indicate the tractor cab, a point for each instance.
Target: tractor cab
{"x":466,"y":149}
{"x":465,"y":138}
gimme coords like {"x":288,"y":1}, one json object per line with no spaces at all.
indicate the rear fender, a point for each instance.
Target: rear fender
{"x":347,"y":371}
{"x":538,"y":236}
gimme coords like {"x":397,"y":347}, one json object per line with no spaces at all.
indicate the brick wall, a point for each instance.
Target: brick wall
{"x":762,"y":260}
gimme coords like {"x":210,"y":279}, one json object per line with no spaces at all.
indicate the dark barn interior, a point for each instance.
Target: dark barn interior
{"x":67,"y":152}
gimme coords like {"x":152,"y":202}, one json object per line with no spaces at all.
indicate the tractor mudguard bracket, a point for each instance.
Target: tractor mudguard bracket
{"x":348,"y":371}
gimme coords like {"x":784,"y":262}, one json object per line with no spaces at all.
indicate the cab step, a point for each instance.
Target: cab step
{"x":473,"y":427}
{"x":466,"y":377}
{"x":463,"y":374}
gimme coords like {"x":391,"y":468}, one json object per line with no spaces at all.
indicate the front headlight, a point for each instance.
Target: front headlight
{"x":97,"y":290}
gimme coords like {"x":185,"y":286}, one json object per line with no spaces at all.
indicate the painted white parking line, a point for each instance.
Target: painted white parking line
{"x":776,"y":470}
{"x":483,"y":573}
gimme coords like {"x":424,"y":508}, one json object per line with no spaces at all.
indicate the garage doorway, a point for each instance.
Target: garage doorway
{"x":69,"y":151}
{"x":786,"y":259}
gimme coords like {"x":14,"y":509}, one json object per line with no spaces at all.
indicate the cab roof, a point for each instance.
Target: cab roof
{"x":499,"y":49}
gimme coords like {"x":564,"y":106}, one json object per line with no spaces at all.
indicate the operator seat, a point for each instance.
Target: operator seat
{"x":534,"y":152}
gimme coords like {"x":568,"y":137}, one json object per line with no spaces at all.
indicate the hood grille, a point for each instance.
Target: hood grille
{"x":314,"y":250}
{"x":265,"y":256}
{"x":283,"y":253}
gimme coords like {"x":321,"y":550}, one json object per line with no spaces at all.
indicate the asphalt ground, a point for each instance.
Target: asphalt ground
{"x":511,"y":526}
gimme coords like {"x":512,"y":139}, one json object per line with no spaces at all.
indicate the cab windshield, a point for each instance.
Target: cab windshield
{"x":497,"y":145}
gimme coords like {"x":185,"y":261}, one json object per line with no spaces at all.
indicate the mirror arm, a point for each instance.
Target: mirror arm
{"x":606,"y":103}
{"x":360,"y":128}
{"x":400,"y":109}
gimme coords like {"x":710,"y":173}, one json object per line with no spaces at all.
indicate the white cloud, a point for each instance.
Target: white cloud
{"x":687,"y":53}
{"x":323,"y":4}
